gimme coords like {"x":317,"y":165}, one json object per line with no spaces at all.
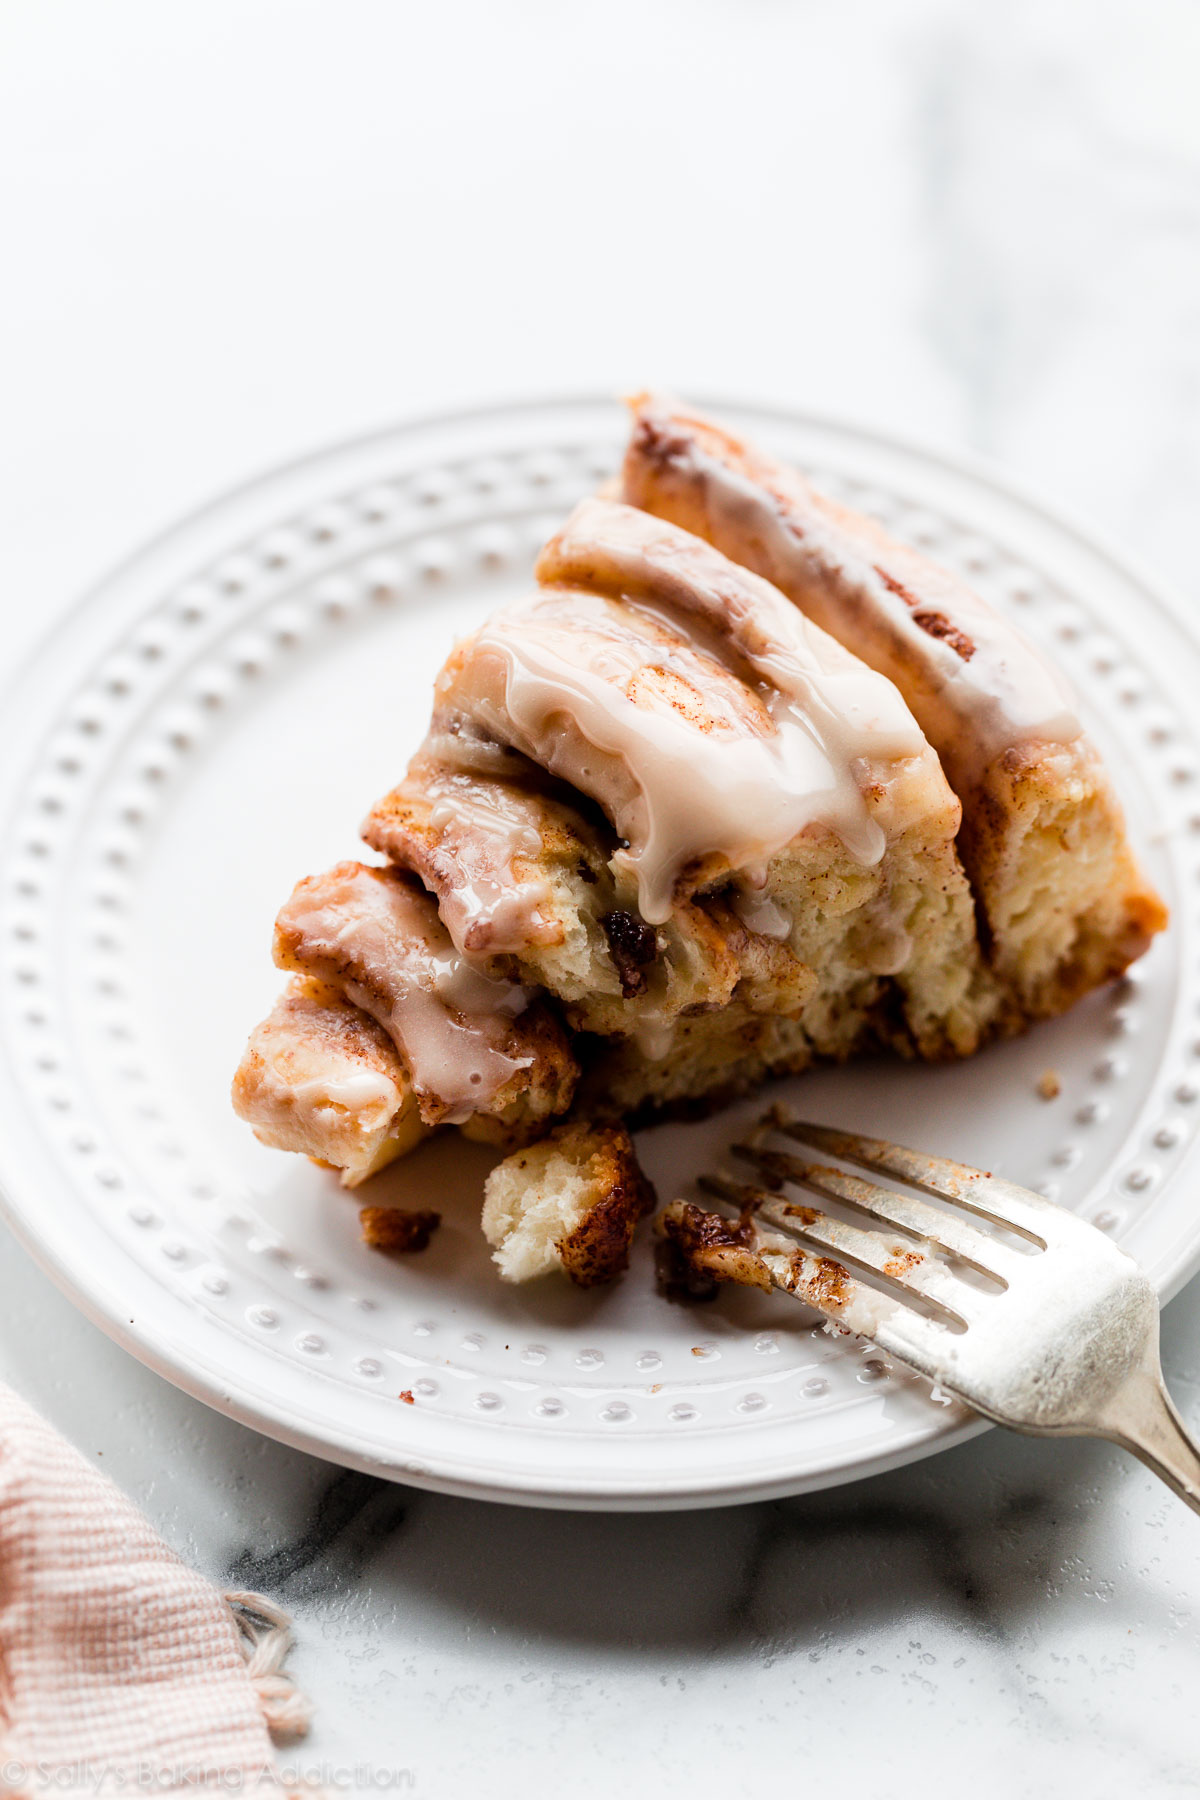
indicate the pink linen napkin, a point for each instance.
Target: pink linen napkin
{"x":120,"y":1668}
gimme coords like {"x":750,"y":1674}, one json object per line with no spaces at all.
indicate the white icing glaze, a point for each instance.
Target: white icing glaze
{"x":744,"y":620}
{"x":688,"y":697}
{"x":485,"y":827}
{"x":686,"y":761}
{"x":861,"y":585}
{"x":383,"y":943}
{"x":858,"y":1307}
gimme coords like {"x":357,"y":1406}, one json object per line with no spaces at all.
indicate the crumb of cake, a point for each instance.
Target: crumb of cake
{"x":399,"y":1230}
{"x":406,"y":1394}
{"x":1049,"y":1086}
{"x":571,"y":1202}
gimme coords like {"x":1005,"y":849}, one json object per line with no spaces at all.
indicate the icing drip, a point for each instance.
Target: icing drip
{"x":690,"y":700}
{"x":382,"y":941}
{"x":686,"y":761}
{"x":739,"y":618}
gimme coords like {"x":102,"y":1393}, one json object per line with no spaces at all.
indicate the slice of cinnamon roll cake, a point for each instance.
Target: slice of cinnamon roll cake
{"x":741,"y":785}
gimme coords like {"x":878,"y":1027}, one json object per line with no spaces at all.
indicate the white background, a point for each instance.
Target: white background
{"x":232,"y":232}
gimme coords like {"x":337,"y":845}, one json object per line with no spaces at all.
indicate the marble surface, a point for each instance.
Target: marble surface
{"x":246,"y":228}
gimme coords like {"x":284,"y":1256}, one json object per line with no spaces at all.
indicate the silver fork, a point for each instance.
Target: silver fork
{"x":1065,"y":1343}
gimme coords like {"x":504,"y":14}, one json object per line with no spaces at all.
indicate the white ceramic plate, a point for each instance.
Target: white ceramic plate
{"x":214,"y":721}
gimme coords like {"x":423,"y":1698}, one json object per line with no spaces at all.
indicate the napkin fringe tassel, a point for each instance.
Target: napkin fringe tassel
{"x":266,"y":1637}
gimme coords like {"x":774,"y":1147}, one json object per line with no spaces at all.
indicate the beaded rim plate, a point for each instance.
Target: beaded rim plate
{"x":213,"y":721}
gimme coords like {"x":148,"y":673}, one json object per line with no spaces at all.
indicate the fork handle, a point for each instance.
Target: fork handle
{"x":1142,"y":1418}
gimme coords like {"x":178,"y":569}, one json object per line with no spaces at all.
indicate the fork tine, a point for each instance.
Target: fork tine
{"x":822,"y":1284}
{"x":896,"y":1265}
{"x":917,"y":1341}
{"x":984,"y":1194}
{"x":931,"y":1223}
{"x":840,"y":1297}
{"x":891,"y":1324}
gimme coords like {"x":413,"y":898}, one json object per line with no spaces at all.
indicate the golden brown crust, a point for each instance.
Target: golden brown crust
{"x":598,"y":1249}
{"x":1045,"y":841}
